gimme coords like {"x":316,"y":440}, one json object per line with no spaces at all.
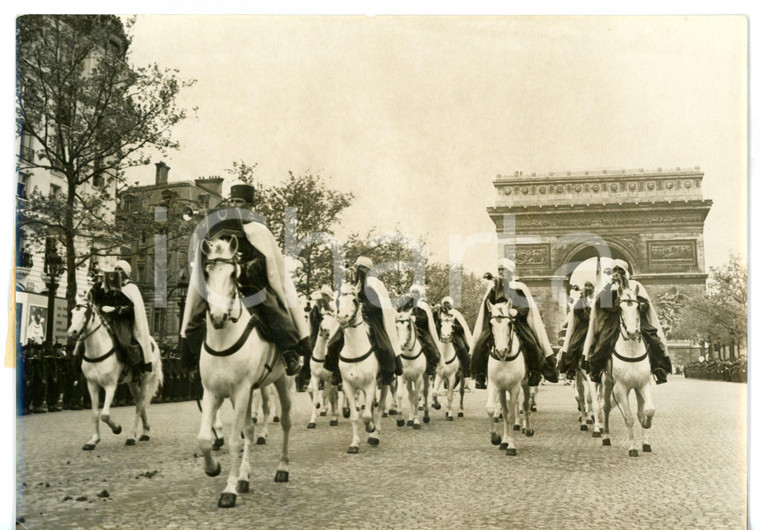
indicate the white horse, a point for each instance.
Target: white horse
{"x":358,"y":366}
{"x":320,"y":373}
{"x":588,"y":401}
{"x":103,"y":369}
{"x":414,"y":364}
{"x":448,"y":369}
{"x":507,"y":374}
{"x":234,"y":361}
{"x":628,"y":369}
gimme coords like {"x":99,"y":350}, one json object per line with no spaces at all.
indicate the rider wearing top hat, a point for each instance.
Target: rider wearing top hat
{"x":604,"y":327}
{"x":378,"y":312}
{"x":528,"y":326}
{"x":263,"y":280}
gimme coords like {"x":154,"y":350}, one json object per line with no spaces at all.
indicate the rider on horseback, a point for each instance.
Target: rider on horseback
{"x":424,"y":324}
{"x":263,"y":278}
{"x":604,"y":327}
{"x":528,"y":326}
{"x":121,"y":306}
{"x":462,"y":338}
{"x":572,"y":347}
{"x":377,"y":312}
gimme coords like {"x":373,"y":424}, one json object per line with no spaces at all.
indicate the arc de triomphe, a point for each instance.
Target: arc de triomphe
{"x":549,"y":223}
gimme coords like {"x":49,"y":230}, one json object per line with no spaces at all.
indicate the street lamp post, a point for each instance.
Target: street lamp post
{"x":182,"y":285}
{"x":53,"y":268}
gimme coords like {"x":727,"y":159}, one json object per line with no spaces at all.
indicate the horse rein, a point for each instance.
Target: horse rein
{"x":625,"y":334}
{"x":235,"y":276}
{"x":412,"y":334}
{"x":88,"y":317}
{"x":503,"y":356}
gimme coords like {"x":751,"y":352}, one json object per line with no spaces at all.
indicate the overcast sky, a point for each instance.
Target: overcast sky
{"x":417,"y":116}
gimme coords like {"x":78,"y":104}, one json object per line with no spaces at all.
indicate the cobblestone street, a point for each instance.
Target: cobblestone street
{"x":446,"y":475}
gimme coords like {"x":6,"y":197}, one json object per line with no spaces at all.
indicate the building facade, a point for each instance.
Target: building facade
{"x":550,"y":223}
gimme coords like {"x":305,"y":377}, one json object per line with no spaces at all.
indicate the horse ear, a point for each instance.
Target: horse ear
{"x":205,"y":248}
{"x":233,"y":244}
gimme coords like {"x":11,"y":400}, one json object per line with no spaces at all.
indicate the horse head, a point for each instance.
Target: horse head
{"x":405,"y":329}
{"x":348,"y":304}
{"x":327,"y":325}
{"x":81,"y":316}
{"x":630,"y":319}
{"x":447,"y":327}
{"x":502,"y":320}
{"x":221,"y":271}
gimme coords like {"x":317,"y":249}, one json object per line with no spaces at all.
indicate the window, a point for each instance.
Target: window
{"x":54,"y":190}
{"x":27,"y":152}
{"x":21,"y":187}
{"x":158,"y":319}
{"x":97,"y":178}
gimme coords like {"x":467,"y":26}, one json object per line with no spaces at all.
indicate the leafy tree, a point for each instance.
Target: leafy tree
{"x":88,"y":116}
{"x":473,"y":289}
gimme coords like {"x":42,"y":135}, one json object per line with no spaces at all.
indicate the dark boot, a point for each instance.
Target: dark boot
{"x":660,"y":376}
{"x":336,"y":378}
{"x":292,"y":362}
{"x":388,"y":377}
{"x":480,"y":381}
{"x":399,"y":367}
{"x":534,"y":378}
{"x":549,"y":369}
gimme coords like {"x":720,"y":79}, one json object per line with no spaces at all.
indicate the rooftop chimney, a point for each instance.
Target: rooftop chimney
{"x":162,"y":173}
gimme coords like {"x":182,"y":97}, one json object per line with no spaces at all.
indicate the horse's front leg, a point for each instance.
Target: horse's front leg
{"x":349,"y":395}
{"x":314,"y":394}
{"x":241,"y":400}
{"x":105,"y":415}
{"x":496,"y":439}
{"x":426,"y":398}
{"x":94,"y":391}
{"x":368,"y":416}
{"x":591,"y":399}
{"x":286,"y":403}
{"x":450,"y":396}
{"x":462,"y":385}
{"x":645,"y":414}
{"x":509,"y":409}
{"x":211,"y":404}
{"x":377,"y":416}
{"x":244,"y":477}
{"x":527,"y":396}
{"x":333,"y":396}
{"x":436,"y":388}
{"x":406,"y":384}
{"x":621,"y":397}
{"x":607,"y":407}
{"x":136,"y":395}
{"x":415,"y":398}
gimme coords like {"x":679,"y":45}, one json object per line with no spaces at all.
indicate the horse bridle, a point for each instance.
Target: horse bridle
{"x":235,"y":276}
{"x":351,"y":322}
{"x":87,"y":316}
{"x":448,"y":318}
{"x":412,"y":332}
{"x":504,"y":354}
{"x":625,"y":334}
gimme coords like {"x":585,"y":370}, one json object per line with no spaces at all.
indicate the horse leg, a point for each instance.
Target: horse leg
{"x":450,"y":396}
{"x":620,"y":392}
{"x":349,"y":394}
{"x":369,"y":408}
{"x":490,"y":411}
{"x":241,"y":400}
{"x":266,"y":413}
{"x":105,"y":415}
{"x":377,"y":416}
{"x":527,"y":397}
{"x":217,"y":430}
{"x":607,"y":407}
{"x":136,"y":395}
{"x":283,"y":390}
{"x":645,"y":414}
{"x":592,"y":400}
{"x":244,"y":476}
{"x":436,"y":388}
{"x":333,"y":397}
{"x":507,"y":441}
{"x":314,"y":395}
{"x":211,"y":404}
{"x":426,"y":398}
{"x":407,"y":383}
{"x":94,"y":390}
{"x":462,"y":385}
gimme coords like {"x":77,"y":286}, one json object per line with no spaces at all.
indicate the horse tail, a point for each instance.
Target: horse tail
{"x":156,"y":378}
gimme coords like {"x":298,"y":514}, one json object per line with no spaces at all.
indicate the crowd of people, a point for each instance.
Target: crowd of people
{"x":719,"y":370}
{"x":53,"y":381}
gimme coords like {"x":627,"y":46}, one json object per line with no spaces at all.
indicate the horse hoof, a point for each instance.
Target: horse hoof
{"x":353,"y":449}
{"x":496,"y":419}
{"x":503,"y":446}
{"x":633,"y":452}
{"x":606,"y":442}
{"x":449,"y":418}
{"x":393,"y":412}
{"x":417,"y":427}
{"x":529,"y":432}
{"x":116,"y":430}
{"x":261,"y":440}
{"x":144,"y":438}
{"x":589,"y":422}
{"x":460,"y":414}
{"x":420,"y":407}
{"x":399,"y":423}
{"x":88,"y":447}
{"x":495,"y":439}
{"x":647,"y":423}
{"x":584,"y":427}
{"x":516,"y":428}
{"x":311,"y":425}
{"x":533,"y":408}
{"x":323,"y":413}
{"x":647,"y":448}
{"x":511,"y":451}
{"x":385,"y":414}
{"x":276,"y":419}
{"x":437,"y":406}
{"x":255,"y":420}
{"x":333,"y":423}
{"x":218,"y":443}
{"x":426,"y":419}
{"x":369,"y":429}
{"x":227,"y":500}
{"x":596,"y":434}
{"x":346,"y":413}
{"x":281,"y":476}
{"x":409,"y":423}
{"x":130,"y":441}
{"x":215,"y":473}
{"x":373,"y":441}
{"x":319,"y":405}
{"x":242,"y":486}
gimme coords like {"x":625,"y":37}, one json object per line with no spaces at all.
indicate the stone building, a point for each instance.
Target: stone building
{"x":550,"y":223}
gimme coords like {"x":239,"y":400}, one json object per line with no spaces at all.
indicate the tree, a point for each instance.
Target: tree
{"x":90,"y":116}
{"x":720,"y":314}
{"x":473,"y":289}
{"x":302,"y":213}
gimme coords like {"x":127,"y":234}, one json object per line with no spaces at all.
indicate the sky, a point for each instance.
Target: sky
{"x":417,"y":115}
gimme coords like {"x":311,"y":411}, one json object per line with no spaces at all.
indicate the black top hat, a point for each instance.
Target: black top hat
{"x":242,"y":191}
